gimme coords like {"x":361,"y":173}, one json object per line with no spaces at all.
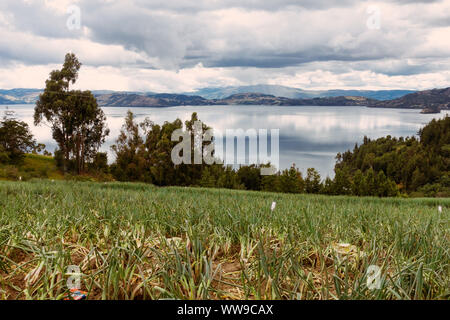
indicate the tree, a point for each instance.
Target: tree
{"x":16,"y":139}
{"x":229,"y":178}
{"x":149,"y":158}
{"x":271,"y":183}
{"x":89,"y":128}
{"x":158,"y":148}
{"x":312,"y":181}
{"x":357,"y":184}
{"x":129,"y":152}
{"x":341,"y":183}
{"x":77,"y":122}
{"x":328,"y":186}
{"x":207,"y":180}
{"x":250,"y":177}
{"x":291,"y":180}
{"x":100,"y":163}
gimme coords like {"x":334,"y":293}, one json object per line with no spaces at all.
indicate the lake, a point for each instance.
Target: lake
{"x":309,"y":136}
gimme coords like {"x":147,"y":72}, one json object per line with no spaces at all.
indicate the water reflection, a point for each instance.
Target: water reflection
{"x":309,"y":136}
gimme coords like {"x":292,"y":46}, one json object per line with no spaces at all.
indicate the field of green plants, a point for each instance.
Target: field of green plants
{"x":136,"y":241}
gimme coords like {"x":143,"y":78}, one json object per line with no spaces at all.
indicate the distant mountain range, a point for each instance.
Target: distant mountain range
{"x":169,"y":100}
{"x":24,"y":96}
{"x":429,"y":101}
{"x":294,"y":93}
{"x":19,"y":96}
{"x":150,"y":100}
{"x":30,"y":96}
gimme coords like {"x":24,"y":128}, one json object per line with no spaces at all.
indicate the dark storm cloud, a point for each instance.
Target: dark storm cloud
{"x":181,"y":34}
{"x":227,"y":34}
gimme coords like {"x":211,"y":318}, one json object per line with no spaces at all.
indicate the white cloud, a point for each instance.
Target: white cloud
{"x":189,"y":79}
{"x":182,"y":45}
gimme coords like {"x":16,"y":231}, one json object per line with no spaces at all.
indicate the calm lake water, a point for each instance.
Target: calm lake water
{"x":309,"y":136}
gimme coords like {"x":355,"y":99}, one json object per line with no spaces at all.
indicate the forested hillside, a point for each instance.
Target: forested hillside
{"x":416,"y":165}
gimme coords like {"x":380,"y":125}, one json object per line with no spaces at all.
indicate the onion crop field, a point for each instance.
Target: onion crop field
{"x":137,"y":241}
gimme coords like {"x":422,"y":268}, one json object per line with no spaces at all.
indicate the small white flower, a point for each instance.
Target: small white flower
{"x":440,"y":209}
{"x":274,"y":204}
{"x":20,"y":178}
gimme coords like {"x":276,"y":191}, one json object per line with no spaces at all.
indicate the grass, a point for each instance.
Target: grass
{"x":135,"y":241}
{"x":32,"y":166}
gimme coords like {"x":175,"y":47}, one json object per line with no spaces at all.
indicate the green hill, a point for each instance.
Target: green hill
{"x":33,"y":166}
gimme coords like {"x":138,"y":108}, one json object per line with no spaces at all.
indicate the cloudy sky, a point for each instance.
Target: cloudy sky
{"x":183,"y":45}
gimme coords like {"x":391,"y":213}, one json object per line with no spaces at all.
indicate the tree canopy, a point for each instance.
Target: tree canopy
{"x":78,"y":124}
{"x":16,"y":139}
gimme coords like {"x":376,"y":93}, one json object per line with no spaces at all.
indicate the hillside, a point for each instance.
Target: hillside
{"x":25,"y":96}
{"x":430,"y":101}
{"x":35,"y":166}
{"x":168,"y":100}
{"x":263,"y":99}
{"x":295,"y":93}
{"x":156,"y":100}
{"x":32,"y":166}
{"x":19,"y":96}
{"x":30,"y":96}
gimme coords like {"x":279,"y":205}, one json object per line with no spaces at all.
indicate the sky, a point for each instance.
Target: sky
{"x":183,"y":45}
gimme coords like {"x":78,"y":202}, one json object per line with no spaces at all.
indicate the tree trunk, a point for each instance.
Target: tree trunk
{"x":78,"y":160}
{"x":83,"y":156}
{"x":65,"y":151}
